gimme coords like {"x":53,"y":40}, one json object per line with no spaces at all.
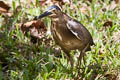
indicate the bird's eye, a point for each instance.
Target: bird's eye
{"x":53,"y":9}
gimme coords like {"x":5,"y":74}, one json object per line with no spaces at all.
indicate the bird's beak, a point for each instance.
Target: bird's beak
{"x":44,"y":14}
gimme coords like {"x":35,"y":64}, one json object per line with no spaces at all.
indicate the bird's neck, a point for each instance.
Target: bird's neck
{"x":67,"y":17}
{"x":55,"y":19}
{"x":61,"y":18}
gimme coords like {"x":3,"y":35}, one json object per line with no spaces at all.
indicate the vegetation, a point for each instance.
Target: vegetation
{"x":21,"y":59}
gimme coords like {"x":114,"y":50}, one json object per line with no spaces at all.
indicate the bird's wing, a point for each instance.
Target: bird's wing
{"x":76,"y":29}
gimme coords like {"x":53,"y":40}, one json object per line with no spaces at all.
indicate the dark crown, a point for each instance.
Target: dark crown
{"x":53,"y":6}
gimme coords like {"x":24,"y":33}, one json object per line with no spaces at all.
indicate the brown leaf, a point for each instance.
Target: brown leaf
{"x":62,"y":1}
{"x":3,"y":7}
{"x":118,"y":76}
{"x":42,"y":2}
{"x":36,"y":28}
{"x":111,"y":75}
{"x":25,"y":27}
{"x":51,"y":2}
{"x":108,"y":23}
{"x":7,"y":17}
{"x":117,"y":1}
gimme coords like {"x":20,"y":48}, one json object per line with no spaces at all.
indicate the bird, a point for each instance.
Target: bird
{"x":68,"y":33}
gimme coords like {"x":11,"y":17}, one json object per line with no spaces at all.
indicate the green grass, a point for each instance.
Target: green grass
{"x":22,"y":60}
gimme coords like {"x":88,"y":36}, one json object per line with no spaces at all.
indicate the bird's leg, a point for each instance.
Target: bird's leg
{"x":82,"y":55}
{"x":80,"y":58}
{"x":70,"y":58}
{"x":79,"y":63}
{"x":84,"y":50}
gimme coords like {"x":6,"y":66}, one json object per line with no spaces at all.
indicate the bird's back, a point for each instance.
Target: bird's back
{"x":79,"y":30}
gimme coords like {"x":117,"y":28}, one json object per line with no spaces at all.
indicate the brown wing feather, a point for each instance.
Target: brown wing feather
{"x":80,"y":31}
{"x":76,"y":29}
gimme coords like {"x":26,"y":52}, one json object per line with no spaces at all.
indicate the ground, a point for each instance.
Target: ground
{"x":23,"y":57}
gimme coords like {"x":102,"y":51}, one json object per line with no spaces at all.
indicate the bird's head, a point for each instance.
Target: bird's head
{"x":52,"y":11}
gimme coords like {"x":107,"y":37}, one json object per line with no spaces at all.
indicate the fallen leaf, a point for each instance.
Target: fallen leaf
{"x":62,"y":1}
{"x":118,"y":76}
{"x":36,"y":28}
{"x":3,"y":7}
{"x":108,"y":23}
{"x":4,"y":10}
{"x":26,"y":26}
{"x":42,"y":2}
{"x":7,"y":17}
{"x":117,"y":1}
{"x":111,"y":75}
{"x":57,"y":2}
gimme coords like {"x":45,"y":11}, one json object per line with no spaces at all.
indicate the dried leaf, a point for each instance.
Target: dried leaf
{"x":108,"y":23}
{"x":63,"y":1}
{"x":111,"y":75}
{"x":118,"y":76}
{"x":42,"y":2}
{"x":7,"y":17}
{"x":3,"y":7}
{"x":36,"y":28}
{"x":117,"y":1}
{"x":51,"y":2}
